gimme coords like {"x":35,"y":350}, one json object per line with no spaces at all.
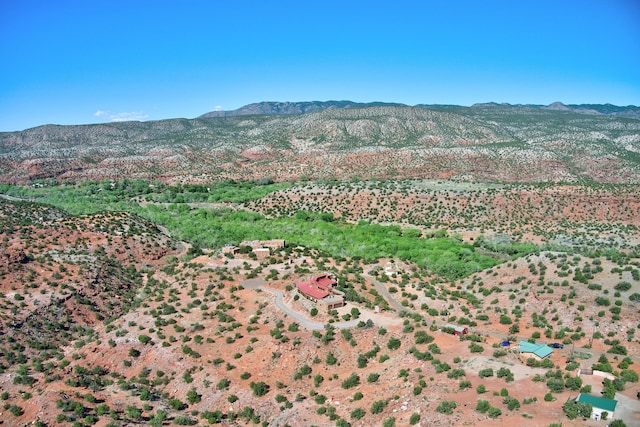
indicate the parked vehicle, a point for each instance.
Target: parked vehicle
{"x":557,"y":345}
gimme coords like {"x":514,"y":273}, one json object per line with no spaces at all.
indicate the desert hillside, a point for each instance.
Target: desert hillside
{"x":294,"y":264}
{"x":133,"y":302}
{"x":485,"y":142}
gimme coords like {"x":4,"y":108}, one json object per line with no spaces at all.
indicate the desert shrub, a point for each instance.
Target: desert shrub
{"x":465,"y":384}
{"x":331,"y":359}
{"x":618,"y":349}
{"x":456,"y":373}
{"x":487,"y":372}
{"x":629,"y":376}
{"x":475,"y":348}
{"x":556,"y":385}
{"x":446,"y":407}
{"x":193,"y":396}
{"x":422,"y":337}
{"x":512,"y":403}
{"x":176,"y":404}
{"x":259,"y":388}
{"x":223,"y":384}
{"x":505,"y":320}
{"x":494,"y":412}
{"x":185,"y":420}
{"x":394,"y":343}
{"x":622,"y":286}
{"x":357,"y":413}
{"x":389,"y":422}
{"x":378,"y":406}
{"x":483,"y":406}
{"x":317,"y":380}
{"x":352,"y":381}
{"x":373,"y":377}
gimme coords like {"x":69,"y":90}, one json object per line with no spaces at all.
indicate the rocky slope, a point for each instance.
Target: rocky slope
{"x":486,"y":142}
{"x":104,"y":323}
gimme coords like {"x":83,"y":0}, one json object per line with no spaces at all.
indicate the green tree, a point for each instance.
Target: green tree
{"x":617,"y":423}
{"x":133,"y":413}
{"x":357,"y":413}
{"x":423,"y":337}
{"x":176,"y":404}
{"x":414,"y":419}
{"x":494,"y":412}
{"x":556,"y":385}
{"x":317,"y":380}
{"x":378,"y":406}
{"x":446,"y":407}
{"x":352,"y":381}
{"x":389,"y":422}
{"x":259,"y":388}
{"x":483,"y":406}
{"x":193,"y":397}
{"x":394,"y":343}
{"x":145,"y":339}
{"x":331,"y":359}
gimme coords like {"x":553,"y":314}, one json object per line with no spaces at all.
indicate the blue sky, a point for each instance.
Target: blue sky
{"x":73,"y":62}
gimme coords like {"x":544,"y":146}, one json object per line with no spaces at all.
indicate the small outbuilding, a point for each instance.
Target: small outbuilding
{"x":599,"y":405}
{"x":457,"y":330}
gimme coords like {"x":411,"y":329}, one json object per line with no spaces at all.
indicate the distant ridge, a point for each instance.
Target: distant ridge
{"x":343,"y":140}
{"x":267,"y":107}
{"x":297,"y":108}
{"x":630,"y":111}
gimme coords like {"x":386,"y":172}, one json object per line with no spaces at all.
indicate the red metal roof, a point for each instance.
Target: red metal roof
{"x":310,"y":289}
{"x":324,"y":281}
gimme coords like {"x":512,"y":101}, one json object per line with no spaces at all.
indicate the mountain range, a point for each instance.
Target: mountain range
{"x":341,"y":139}
{"x":630,"y":111}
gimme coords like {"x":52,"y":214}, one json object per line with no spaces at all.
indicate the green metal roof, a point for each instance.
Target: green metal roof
{"x":597,"y":402}
{"x":540,"y":350}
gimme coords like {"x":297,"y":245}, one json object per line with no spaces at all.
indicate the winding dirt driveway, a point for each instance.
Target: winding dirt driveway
{"x":303,"y":320}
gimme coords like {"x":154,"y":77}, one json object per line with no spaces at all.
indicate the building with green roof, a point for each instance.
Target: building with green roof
{"x":599,"y":405}
{"x":539,"y":351}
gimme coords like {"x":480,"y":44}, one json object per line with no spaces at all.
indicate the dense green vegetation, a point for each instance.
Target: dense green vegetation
{"x":215,"y":225}
{"x":185,"y":306}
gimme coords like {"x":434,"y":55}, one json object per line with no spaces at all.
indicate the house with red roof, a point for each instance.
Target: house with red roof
{"x":321,"y":289}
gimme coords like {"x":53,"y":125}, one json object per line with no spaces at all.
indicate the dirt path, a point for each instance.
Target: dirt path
{"x":384,"y":292}
{"x":303,"y":320}
{"x":14,"y":199}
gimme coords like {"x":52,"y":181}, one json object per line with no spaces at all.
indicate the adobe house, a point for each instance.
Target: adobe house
{"x":274,"y":244}
{"x":261,"y":248}
{"x":230,"y":249}
{"x":598,"y":405}
{"x":261,"y":253}
{"x":321,"y":289}
{"x":536,"y":351}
